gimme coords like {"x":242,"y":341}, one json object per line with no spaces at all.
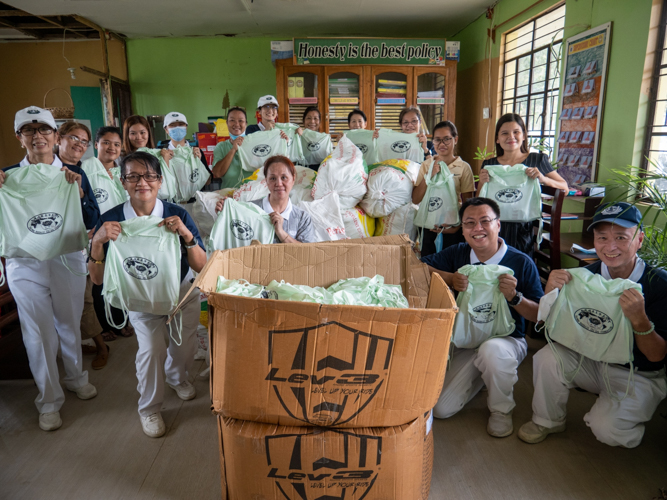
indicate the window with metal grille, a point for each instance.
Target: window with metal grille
{"x":655,"y":146}
{"x":531,"y":75}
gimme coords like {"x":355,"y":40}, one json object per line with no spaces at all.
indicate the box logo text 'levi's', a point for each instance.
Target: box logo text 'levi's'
{"x":327,"y":374}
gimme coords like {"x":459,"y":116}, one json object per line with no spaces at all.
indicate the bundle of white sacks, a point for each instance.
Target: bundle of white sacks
{"x":345,"y":198}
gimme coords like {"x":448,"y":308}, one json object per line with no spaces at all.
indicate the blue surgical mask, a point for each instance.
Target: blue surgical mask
{"x":234,"y":137}
{"x":177,"y":133}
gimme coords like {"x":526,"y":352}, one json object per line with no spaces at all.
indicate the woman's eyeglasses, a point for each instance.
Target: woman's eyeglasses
{"x":445,"y":140}
{"x":30,"y":131}
{"x":134,"y":178}
{"x":76,"y":140}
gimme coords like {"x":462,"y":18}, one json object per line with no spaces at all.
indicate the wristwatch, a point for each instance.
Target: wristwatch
{"x":516,"y":300}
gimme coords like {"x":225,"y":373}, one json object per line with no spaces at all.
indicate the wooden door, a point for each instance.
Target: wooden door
{"x":436,"y":79}
{"x":345,"y":89}
{"x":388,"y":84}
{"x":298,"y":87}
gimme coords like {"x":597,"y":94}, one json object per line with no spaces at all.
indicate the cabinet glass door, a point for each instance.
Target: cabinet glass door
{"x":392,"y":91}
{"x":304,"y":89}
{"x":431,"y":98}
{"x":344,"y":88}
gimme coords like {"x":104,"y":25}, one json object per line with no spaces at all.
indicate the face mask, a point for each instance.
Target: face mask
{"x":177,"y":133}
{"x":234,"y":137}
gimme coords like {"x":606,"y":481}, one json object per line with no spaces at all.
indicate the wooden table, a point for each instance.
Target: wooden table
{"x":583,"y":239}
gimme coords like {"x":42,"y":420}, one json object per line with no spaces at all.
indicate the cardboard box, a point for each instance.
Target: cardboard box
{"x":294,"y":363}
{"x":264,"y":461}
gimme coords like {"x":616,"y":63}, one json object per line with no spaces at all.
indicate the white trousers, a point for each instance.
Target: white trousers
{"x":49,"y":299}
{"x":159,"y":354}
{"x":493,"y":364}
{"x":612,"y":422}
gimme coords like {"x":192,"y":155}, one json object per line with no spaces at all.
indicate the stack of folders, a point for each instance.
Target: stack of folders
{"x":391,"y":92}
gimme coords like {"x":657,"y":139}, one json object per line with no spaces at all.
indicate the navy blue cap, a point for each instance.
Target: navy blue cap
{"x":619,"y":213}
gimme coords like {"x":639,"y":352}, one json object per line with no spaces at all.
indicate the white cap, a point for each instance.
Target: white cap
{"x":267,"y":99}
{"x":174,"y":116}
{"x":33,"y":114}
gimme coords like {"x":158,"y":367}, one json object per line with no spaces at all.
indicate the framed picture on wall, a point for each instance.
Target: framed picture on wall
{"x":562,"y":138}
{"x":588,"y":51}
{"x":566,"y":114}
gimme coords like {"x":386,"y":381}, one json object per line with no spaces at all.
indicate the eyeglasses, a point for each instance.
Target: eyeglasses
{"x":485,"y":223}
{"x":134,"y":178}
{"x":446,"y":140}
{"x":29,"y":131}
{"x":76,"y":140}
{"x":414,"y":123}
{"x":270,"y":107}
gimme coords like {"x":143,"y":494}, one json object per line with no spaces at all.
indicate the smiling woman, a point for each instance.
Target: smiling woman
{"x":72,"y":142}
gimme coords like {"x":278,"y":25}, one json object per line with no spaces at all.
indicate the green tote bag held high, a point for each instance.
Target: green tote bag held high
{"x":587,"y":318}
{"x":142,"y":269}
{"x":40,"y":214}
{"x":483,"y":310}
{"x":316,"y":146}
{"x":238,"y":224}
{"x":190,"y":173}
{"x":108,"y":192}
{"x":518,"y":196}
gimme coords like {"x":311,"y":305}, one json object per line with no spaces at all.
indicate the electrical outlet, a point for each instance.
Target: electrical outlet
{"x":485,"y":113}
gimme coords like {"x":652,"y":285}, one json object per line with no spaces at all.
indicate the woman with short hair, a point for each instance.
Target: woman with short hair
{"x":226,"y":163}
{"x":410,"y":121}
{"x":72,"y":142}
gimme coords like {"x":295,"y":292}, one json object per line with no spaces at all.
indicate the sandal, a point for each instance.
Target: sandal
{"x":108,"y":336}
{"x":101,"y":360}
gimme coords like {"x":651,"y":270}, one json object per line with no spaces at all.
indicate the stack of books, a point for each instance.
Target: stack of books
{"x":343,"y":90}
{"x":431,"y":97}
{"x":391,"y":92}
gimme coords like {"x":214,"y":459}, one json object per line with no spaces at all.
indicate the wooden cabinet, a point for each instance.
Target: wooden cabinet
{"x":336,"y":90}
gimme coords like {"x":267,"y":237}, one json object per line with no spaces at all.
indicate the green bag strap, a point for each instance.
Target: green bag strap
{"x":63,"y":259}
{"x":607,"y":384}
{"x":178,"y":328}
{"x":569,"y":377}
{"x":109,"y":315}
{"x":502,"y":181}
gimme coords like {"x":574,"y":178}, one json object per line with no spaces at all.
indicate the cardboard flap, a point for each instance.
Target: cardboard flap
{"x":440,"y":296}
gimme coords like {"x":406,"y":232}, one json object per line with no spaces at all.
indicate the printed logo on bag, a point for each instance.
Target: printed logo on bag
{"x":140,"y":268}
{"x":261,"y":150}
{"x":483,"y":313}
{"x":313,"y":146}
{"x":194,"y":176}
{"x":101,"y":195}
{"x":612,"y":210}
{"x":336,"y":472}
{"x":363,"y":148}
{"x":401,"y":147}
{"x":594,"y":321}
{"x":509,"y":195}
{"x":45,"y":223}
{"x":434,"y":203}
{"x":241,"y":230}
{"x":269,"y":294}
{"x":327,"y":374}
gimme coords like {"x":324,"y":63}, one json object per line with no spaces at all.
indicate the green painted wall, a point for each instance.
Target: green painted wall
{"x":631,"y":20}
{"x":191,"y":75}
{"x":88,"y":106}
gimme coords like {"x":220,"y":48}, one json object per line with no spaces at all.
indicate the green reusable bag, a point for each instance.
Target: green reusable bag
{"x":363,"y":139}
{"x":108,"y":192}
{"x":393,"y":145}
{"x":191,"y":174}
{"x":587,"y":318}
{"x":440,"y":204}
{"x":368,"y":291}
{"x":238,"y":224}
{"x":259,"y":147}
{"x":40,"y":214}
{"x":519,"y":197}
{"x":240,"y":288}
{"x":483,"y":310}
{"x":316,"y":146}
{"x":169,"y":189}
{"x":294,"y":145}
{"x":142,"y":269}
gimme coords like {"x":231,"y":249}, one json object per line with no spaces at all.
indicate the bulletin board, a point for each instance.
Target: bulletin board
{"x":582,"y":103}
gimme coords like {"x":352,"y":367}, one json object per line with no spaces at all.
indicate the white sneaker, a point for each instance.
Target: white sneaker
{"x":50,"y":421}
{"x":88,"y":391}
{"x":153,"y":425}
{"x":500,"y":424}
{"x":532,"y":433}
{"x":185,"y":390}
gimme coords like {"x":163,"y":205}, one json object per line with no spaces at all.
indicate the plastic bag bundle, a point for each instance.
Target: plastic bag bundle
{"x":363,"y":139}
{"x":316,"y":146}
{"x":190,"y":173}
{"x":357,"y":223}
{"x":400,"y":221}
{"x":169,"y":189}
{"x":344,"y":172}
{"x":259,"y":147}
{"x":238,"y":224}
{"x":40,"y":214}
{"x":483,"y":310}
{"x":108,"y":192}
{"x":326,"y":218}
{"x":397,"y":145}
{"x":440,"y":204}
{"x":353,"y":291}
{"x":294,"y":144}
{"x":203,"y":209}
{"x":142,"y":268}
{"x":389,"y":188}
{"x":519,"y":197}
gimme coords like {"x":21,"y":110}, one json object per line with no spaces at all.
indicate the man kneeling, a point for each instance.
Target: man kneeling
{"x":614,"y":419}
{"x":495,"y":362}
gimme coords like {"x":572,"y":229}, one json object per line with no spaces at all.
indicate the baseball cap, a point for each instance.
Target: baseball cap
{"x":619,"y":213}
{"x":33,"y":114}
{"x":174,"y":116}
{"x":267,"y":99}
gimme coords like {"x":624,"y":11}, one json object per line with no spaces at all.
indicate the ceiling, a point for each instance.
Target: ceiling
{"x":280,"y":19}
